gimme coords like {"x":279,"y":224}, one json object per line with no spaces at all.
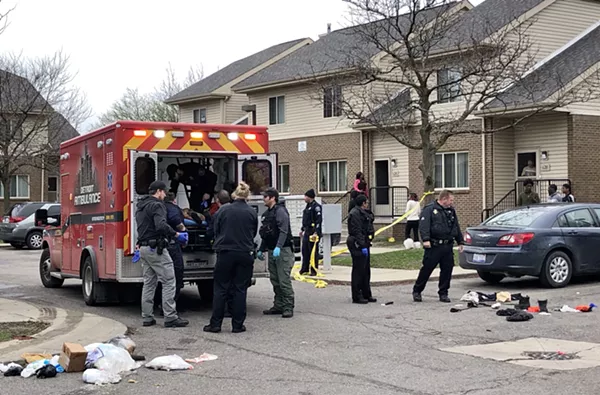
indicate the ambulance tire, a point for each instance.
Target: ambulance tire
{"x":205,"y":289}
{"x":89,"y":287}
{"x":47,"y":280}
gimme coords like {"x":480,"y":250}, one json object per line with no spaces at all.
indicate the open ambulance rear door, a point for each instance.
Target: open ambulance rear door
{"x":143,"y":171}
{"x":259,"y":171}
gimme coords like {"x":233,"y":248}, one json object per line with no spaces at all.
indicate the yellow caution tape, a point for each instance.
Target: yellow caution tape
{"x":322,"y":284}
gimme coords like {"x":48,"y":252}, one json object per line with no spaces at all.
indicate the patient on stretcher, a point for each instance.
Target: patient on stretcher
{"x":192,"y":218}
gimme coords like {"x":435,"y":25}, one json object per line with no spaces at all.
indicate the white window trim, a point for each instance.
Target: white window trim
{"x":280,"y":174}
{"x":277,"y":110}
{"x":538,"y":158}
{"x":332,"y":104}
{"x":451,"y":99}
{"x":19,"y":197}
{"x":205,"y":115}
{"x":455,"y":153}
{"x":319,"y":178}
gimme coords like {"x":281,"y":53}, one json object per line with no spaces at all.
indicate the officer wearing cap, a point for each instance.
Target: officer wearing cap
{"x":276,"y":238}
{"x":153,"y":236}
{"x":439,"y":230}
{"x":312,"y":219}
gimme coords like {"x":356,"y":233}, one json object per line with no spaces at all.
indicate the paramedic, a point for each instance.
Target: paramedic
{"x":235,"y":227}
{"x":311,"y":232}
{"x":276,"y":235}
{"x":153,"y":234}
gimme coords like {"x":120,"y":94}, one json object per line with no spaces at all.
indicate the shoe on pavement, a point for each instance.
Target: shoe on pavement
{"x":360,"y":301}
{"x":272,"y":311}
{"x":372,"y":300}
{"x":211,"y":329}
{"x":149,"y":323}
{"x":239,"y":330}
{"x":445,"y":299}
{"x":287,"y":314}
{"x":177,"y":323}
{"x":417,"y":297}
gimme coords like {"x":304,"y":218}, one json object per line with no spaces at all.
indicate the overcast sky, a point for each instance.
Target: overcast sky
{"x":129,"y":43}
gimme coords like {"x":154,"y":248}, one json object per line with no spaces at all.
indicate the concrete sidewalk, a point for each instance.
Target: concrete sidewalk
{"x":65,"y":326}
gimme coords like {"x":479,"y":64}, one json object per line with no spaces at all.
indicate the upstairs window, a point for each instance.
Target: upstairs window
{"x":276,"y":110}
{"x":448,"y":81}
{"x":200,"y":115}
{"x":332,"y":102}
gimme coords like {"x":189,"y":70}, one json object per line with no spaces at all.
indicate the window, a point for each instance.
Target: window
{"x":284,"y":178}
{"x":200,"y":115}
{"x":452,"y":170}
{"x":52,"y":184}
{"x":257,"y":174}
{"x":448,"y":81}
{"x":581,"y":218}
{"x":333,"y":176}
{"x":332,"y":102}
{"x":19,"y":187}
{"x":145,"y":170}
{"x":276,"y":110}
{"x":10,"y":130}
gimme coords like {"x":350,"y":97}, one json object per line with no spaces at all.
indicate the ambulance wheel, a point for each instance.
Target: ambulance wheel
{"x":89,"y":287}
{"x":45,"y":269}
{"x":205,"y":289}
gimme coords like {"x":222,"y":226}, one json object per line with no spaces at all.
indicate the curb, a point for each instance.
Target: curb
{"x":397,"y":282}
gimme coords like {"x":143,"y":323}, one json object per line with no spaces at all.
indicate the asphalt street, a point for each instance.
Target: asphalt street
{"x":330,"y":346}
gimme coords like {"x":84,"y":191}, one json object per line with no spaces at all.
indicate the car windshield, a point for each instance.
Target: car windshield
{"x":29,"y":209}
{"x":521,"y":217}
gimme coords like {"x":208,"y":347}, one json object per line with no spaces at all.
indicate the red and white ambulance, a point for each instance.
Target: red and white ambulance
{"x":105,"y":172}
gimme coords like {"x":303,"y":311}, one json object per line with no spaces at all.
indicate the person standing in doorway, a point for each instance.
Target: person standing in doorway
{"x":235,"y":228}
{"x":529,"y":170}
{"x":310,"y":233}
{"x":567,"y":195}
{"x":276,"y":235}
{"x":412,"y":221}
{"x":360,"y":236}
{"x":528,"y":196}
{"x":439,"y":230}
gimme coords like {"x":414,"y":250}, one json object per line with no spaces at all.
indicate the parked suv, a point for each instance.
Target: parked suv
{"x":19,"y":228}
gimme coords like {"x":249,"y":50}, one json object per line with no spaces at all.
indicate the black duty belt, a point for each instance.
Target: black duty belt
{"x":441,"y":242}
{"x":152,"y":243}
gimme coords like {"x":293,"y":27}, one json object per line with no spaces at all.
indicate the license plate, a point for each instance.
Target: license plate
{"x":479,"y":258}
{"x":196,"y":264}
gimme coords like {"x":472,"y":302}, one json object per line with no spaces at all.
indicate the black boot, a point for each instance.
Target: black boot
{"x":360,"y":301}
{"x":417,"y":297}
{"x":543,"y":304}
{"x":445,"y":299}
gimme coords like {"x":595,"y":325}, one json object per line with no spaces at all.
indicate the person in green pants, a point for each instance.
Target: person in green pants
{"x":276,"y":238}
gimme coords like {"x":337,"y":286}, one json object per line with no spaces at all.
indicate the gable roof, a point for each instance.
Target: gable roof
{"x":19,"y":96}
{"x":229,"y":73}
{"x":561,"y":68}
{"x":330,"y":53}
{"x":60,"y":130}
{"x":394,"y":110}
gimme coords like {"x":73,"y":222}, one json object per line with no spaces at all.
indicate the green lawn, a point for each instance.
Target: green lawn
{"x":11,"y":330}
{"x":402,"y":259}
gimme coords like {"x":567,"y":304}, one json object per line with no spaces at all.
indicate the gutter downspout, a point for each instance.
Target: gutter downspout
{"x":483,"y":166}
{"x":361,"y":152}
{"x":42,"y":181}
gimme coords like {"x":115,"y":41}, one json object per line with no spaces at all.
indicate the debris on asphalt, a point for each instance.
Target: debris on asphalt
{"x":470,"y":296}
{"x":387,"y":303}
{"x":567,"y":309}
{"x":519,"y":316}
{"x":585,"y":308}
{"x":533,"y":309}
{"x":132,"y":381}
{"x":124,"y":342}
{"x":100,"y":377}
{"x":13,"y":370}
{"x":73,"y":357}
{"x":202,"y":358}
{"x":111,"y":358}
{"x":29,"y":358}
{"x":496,"y":306}
{"x":46,"y":371}
{"x":505,"y":312}
{"x":503,"y":297}
{"x":169,"y":362}
{"x":543,"y":305}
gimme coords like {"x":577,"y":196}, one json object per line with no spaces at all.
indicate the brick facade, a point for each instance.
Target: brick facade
{"x":35,"y":183}
{"x":584,"y":146}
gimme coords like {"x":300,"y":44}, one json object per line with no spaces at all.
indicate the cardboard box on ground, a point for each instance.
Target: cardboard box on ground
{"x":72,"y":357}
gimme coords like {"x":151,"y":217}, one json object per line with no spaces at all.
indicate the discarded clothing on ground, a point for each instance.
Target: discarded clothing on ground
{"x":124,"y":342}
{"x":13,"y":370}
{"x":46,"y":371}
{"x":487,"y":297}
{"x":470,"y":296}
{"x":503,"y":297}
{"x":506,"y":312}
{"x":519,"y":316}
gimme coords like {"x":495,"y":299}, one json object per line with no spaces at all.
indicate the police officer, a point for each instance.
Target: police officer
{"x":360,"y":236}
{"x":311,"y":232}
{"x":439,"y":230}
{"x":153,"y":235}
{"x":235,"y":227}
{"x":276,"y":238}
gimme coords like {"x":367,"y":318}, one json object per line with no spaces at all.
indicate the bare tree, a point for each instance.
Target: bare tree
{"x":420,"y":70}
{"x":134,"y":105}
{"x":39,"y":108}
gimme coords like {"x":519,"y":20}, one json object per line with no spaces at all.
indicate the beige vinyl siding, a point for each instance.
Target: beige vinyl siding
{"x":213,"y":111}
{"x":504,"y":161}
{"x":233,"y":107}
{"x":591,"y":91}
{"x":303,"y":115}
{"x":385,"y":147}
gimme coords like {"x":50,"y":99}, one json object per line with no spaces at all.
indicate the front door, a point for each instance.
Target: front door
{"x":381,"y":193}
{"x":144,"y":171}
{"x":258,"y":171}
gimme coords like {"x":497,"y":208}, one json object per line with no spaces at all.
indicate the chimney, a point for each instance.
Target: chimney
{"x":328,"y":31}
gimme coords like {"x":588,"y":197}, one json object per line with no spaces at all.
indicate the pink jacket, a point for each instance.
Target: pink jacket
{"x":356,"y":182}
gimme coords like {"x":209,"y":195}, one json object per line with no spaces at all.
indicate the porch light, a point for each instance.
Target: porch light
{"x":544,"y":155}
{"x":232,"y":136}
{"x":249,"y":136}
{"x":393,"y":162}
{"x":197,"y":135}
{"x":159,"y":134}
{"x":139,"y":133}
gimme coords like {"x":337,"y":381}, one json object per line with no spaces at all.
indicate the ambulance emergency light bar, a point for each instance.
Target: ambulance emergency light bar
{"x":195,"y":135}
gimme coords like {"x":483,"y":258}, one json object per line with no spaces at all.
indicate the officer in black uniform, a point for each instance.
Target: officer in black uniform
{"x":439,"y":230}
{"x":312,"y":219}
{"x":360,"y":237}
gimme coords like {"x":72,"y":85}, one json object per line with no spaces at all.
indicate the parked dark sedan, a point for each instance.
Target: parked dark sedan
{"x":551,"y":241}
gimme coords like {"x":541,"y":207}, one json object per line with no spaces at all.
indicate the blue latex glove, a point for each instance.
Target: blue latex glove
{"x":183,"y":238}
{"x":365,"y":251}
{"x":136,"y":256}
{"x":204,"y":223}
{"x":260,"y":256}
{"x":276,"y":252}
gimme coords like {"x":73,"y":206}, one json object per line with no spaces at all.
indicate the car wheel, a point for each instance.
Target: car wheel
{"x":34,"y":240}
{"x":490,"y":278}
{"x":17,"y":246}
{"x":557,"y":270}
{"x":89,"y":287}
{"x":205,"y":289}
{"x":45,"y":270}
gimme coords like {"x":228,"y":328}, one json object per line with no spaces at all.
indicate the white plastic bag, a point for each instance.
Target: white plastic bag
{"x":202,"y":358}
{"x":417,"y":245}
{"x":409,"y":244}
{"x":33,"y":367}
{"x":123,"y":342}
{"x":114,"y":359}
{"x":4,"y":368}
{"x":99,"y":377}
{"x":169,"y":362}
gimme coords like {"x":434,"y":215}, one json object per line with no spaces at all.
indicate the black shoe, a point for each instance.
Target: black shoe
{"x":177,"y":323}
{"x":211,"y":329}
{"x":272,"y":311}
{"x":445,"y":299}
{"x":417,"y":297}
{"x":149,"y":323}
{"x":238,"y":330}
{"x":360,"y":301}
{"x":287,"y":314}
{"x":372,"y":300}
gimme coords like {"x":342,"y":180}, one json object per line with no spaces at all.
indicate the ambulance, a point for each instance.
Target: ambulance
{"x":104,"y":173}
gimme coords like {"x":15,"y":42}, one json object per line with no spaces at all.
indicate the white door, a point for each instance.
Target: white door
{"x":143,"y":171}
{"x":258,"y":171}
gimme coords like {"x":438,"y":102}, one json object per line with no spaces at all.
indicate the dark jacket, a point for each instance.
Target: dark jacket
{"x":276,"y":229}
{"x":174,"y":215}
{"x":360,"y":229}
{"x":151,"y":219}
{"x":235,"y":227}
{"x":312,"y":218}
{"x":439,"y":223}
{"x":210,"y":231}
